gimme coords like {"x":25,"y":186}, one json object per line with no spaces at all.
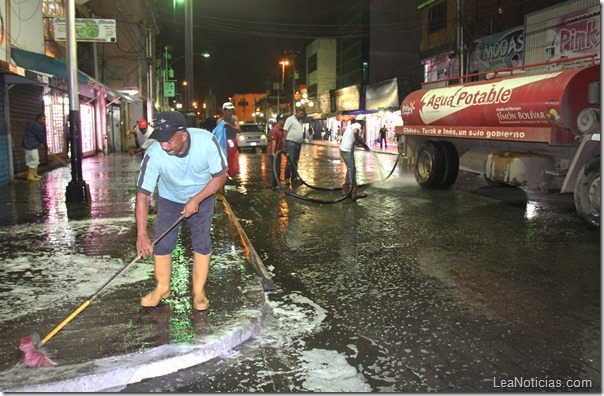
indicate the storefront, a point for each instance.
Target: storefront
{"x":14,"y":80}
{"x":98,"y":108}
{"x":373,"y":106}
{"x":381,"y":110}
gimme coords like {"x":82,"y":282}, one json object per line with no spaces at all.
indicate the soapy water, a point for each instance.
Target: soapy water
{"x":276,"y":359}
{"x":57,"y":265}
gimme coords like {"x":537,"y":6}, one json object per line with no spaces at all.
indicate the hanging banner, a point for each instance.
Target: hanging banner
{"x":382,"y":95}
{"x":573,"y":35}
{"x":498,"y":51}
{"x":348,"y":98}
{"x":325,"y":103}
{"x":86,"y":29}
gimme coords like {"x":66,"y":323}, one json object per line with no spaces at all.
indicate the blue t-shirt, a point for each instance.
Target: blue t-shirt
{"x":180,"y":178}
{"x":220,"y":133}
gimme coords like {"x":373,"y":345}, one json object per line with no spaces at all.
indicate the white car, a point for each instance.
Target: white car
{"x":251,"y":137}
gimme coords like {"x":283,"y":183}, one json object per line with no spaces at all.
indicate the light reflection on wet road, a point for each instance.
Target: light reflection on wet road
{"x":409,"y":289}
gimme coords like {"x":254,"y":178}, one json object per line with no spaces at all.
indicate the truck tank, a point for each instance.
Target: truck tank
{"x":518,"y":102}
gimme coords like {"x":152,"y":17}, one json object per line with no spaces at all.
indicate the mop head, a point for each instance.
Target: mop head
{"x":32,"y":356}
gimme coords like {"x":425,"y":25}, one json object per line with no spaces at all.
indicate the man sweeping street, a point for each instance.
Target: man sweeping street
{"x":188,"y":167}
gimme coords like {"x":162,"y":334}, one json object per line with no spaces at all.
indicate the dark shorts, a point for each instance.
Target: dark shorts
{"x":200,"y":224}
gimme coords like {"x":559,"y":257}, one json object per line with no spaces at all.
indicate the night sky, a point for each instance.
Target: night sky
{"x":246,"y":40}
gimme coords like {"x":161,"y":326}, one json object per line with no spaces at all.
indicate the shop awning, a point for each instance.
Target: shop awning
{"x":45,"y":64}
{"x":56,"y":68}
{"x":17,"y":75}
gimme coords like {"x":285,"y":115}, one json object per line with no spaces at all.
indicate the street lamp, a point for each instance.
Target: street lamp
{"x":305,"y":103}
{"x":167,"y":74}
{"x":204,"y":54}
{"x":283,"y":63}
{"x":257,"y":114}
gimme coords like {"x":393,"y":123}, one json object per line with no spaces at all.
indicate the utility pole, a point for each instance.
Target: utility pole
{"x":190,"y":114}
{"x":291,"y":54}
{"x":149,"y":56}
{"x":77,"y":189}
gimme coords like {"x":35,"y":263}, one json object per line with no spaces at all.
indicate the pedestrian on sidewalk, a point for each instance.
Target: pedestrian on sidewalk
{"x":33,"y":137}
{"x":383,"y":141}
{"x":276,"y":144}
{"x":350,"y":139}
{"x":188,"y":167}
{"x":294,"y":133}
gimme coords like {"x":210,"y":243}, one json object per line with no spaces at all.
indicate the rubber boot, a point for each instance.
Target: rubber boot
{"x":201,"y":268}
{"x":355,"y":193}
{"x":30,"y":175}
{"x":36,"y":176}
{"x":345,"y":189}
{"x":163,"y":269}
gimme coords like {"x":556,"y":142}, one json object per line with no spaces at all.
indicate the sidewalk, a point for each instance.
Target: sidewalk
{"x":55,"y":257}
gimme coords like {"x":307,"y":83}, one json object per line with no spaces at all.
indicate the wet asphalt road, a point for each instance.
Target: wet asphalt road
{"x":411,"y":290}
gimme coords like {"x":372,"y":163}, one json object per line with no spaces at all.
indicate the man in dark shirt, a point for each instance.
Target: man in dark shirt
{"x":33,"y":137}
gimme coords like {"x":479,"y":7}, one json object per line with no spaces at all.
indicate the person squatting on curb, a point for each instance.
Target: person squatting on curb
{"x":351,"y":138}
{"x":141,"y":131}
{"x":188,"y":167}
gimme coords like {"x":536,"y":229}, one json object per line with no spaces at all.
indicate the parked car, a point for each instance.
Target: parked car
{"x":252,"y":137}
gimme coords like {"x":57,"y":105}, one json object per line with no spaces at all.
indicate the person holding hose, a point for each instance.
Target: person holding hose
{"x":350,"y":139}
{"x":188,"y":166}
{"x":276,"y":144}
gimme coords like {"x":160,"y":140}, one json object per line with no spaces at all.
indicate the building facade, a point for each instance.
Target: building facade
{"x":114,"y":79}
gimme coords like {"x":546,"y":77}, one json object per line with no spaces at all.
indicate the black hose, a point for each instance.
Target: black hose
{"x":305,"y":198}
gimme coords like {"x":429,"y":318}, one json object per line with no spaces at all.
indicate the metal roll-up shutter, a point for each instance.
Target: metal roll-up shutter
{"x":24,"y":102}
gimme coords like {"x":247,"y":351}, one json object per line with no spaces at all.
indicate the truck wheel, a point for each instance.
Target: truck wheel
{"x":587,"y":193}
{"x":451,"y":164}
{"x":429,"y":165}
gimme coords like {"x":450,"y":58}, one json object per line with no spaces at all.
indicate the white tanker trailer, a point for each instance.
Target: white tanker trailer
{"x":533,"y":130}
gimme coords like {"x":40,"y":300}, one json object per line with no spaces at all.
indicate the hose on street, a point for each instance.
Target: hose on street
{"x":316,"y":200}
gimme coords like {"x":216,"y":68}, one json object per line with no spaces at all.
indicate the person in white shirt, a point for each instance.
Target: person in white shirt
{"x":142,"y":131}
{"x":350,"y":139}
{"x":294,"y":133}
